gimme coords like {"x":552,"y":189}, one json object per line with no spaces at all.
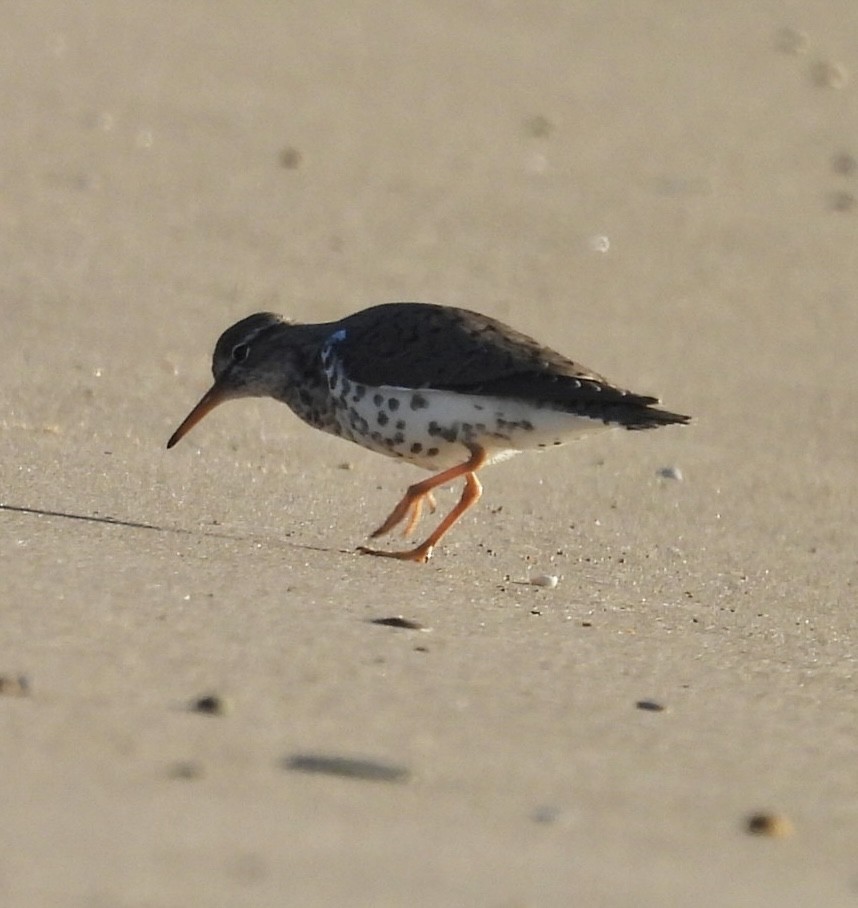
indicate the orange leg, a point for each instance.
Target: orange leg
{"x":416,"y":510}
{"x":412,"y":503}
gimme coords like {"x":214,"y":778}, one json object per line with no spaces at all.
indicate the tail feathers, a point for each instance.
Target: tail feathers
{"x":650,"y":418}
{"x":616,"y":407}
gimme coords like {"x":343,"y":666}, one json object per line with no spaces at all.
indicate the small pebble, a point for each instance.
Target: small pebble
{"x":347,"y":767}
{"x":290,"y":158}
{"x":211,"y":705}
{"x":14,"y":686}
{"x":842,"y":201}
{"x":650,"y":706}
{"x":400,"y":622}
{"x":671,"y":473}
{"x":829,"y":75}
{"x":772,"y":825}
{"x":539,"y":127}
{"x":549,"y":581}
{"x":546,"y":813}
{"x":186,"y":769}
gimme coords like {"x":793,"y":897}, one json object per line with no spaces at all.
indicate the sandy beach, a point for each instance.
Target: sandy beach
{"x":666,"y":193}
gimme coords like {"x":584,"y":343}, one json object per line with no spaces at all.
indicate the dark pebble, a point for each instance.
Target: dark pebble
{"x":187,"y":770}
{"x":347,"y":767}
{"x":546,"y":814}
{"x":538,"y":126}
{"x":650,"y":706}
{"x":400,"y":622}
{"x":14,"y":686}
{"x":210,"y":705}
{"x":841,"y":201}
{"x":773,"y":825}
{"x":290,"y":158}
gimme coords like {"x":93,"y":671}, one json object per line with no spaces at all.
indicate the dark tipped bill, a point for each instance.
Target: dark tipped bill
{"x":214,"y":396}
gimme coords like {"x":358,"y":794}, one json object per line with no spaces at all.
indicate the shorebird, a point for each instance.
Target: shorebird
{"x":446,"y":389}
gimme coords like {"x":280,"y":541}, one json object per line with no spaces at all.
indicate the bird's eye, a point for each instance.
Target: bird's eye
{"x":240,"y":353}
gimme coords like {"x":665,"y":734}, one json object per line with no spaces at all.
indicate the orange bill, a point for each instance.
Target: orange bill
{"x":214,"y":396}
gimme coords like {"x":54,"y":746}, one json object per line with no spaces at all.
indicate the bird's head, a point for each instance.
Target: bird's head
{"x":242,"y":366}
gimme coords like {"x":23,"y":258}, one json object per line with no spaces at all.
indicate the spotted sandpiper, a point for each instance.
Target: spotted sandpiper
{"x":445,"y":389}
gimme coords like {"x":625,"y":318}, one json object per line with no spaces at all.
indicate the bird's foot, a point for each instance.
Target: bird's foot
{"x":419,"y":555}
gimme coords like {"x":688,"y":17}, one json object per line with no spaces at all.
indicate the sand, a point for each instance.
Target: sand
{"x":664,"y":192}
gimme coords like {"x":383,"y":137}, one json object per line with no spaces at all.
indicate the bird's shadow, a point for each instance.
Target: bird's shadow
{"x":177,"y":531}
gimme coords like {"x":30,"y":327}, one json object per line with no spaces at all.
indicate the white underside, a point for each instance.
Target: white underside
{"x":502,"y":427}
